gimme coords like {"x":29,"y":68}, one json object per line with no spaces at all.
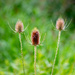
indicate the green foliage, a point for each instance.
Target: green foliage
{"x":33,"y":12}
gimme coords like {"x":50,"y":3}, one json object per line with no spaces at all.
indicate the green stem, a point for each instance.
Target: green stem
{"x":56,"y":51}
{"x":35,"y":59}
{"x":21,"y":53}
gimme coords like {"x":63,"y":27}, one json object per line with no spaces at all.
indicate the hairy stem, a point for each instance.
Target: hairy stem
{"x":21,"y":53}
{"x":35,"y":59}
{"x":56,"y":51}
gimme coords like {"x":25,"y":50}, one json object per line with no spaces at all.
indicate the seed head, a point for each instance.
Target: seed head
{"x":60,"y":24}
{"x":35,"y":37}
{"x":19,"y":27}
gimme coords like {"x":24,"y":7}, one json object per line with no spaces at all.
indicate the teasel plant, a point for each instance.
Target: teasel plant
{"x":60,"y":25}
{"x":35,"y":41}
{"x":35,"y":38}
{"x":19,"y":28}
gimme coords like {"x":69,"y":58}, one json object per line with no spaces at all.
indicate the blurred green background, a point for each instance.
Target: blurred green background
{"x":37,"y":13}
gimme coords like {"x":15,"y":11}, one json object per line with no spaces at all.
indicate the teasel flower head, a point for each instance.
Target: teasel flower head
{"x":19,"y":27}
{"x":35,"y":38}
{"x":60,"y":24}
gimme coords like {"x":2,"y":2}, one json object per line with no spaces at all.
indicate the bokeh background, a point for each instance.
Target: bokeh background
{"x":40,"y":14}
